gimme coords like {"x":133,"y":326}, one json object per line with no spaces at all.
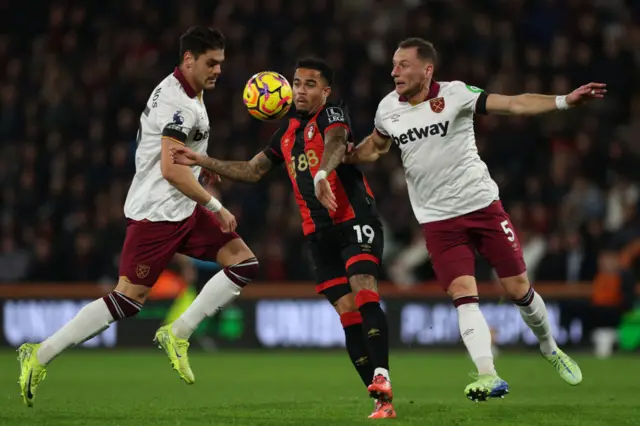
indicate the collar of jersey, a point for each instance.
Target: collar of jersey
{"x":184,"y":83}
{"x":301,"y":115}
{"x":434,"y":89}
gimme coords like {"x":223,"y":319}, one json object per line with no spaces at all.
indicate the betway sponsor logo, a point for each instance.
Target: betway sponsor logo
{"x":417,"y":133}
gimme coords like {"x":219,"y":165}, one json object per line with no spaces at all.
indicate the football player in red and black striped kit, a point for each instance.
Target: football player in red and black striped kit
{"x":343,"y":231}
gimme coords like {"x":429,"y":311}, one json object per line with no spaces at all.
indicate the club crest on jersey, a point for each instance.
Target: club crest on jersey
{"x":311,"y":130}
{"x":142,"y":271}
{"x":437,"y":104}
{"x":178,"y":118}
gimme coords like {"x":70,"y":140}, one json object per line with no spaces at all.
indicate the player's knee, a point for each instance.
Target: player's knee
{"x":233,"y":252}
{"x":363,"y":282}
{"x":121,"y":306}
{"x":337,"y":292}
{"x":463,"y":286}
{"x":516,"y":287}
{"x":345,"y":304}
{"x":348,"y":311}
{"x":242,"y":273}
{"x":135,"y":292}
{"x":365,"y":288}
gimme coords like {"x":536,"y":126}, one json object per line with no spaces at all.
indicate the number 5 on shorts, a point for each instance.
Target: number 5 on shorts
{"x":507,"y":230}
{"x":367,"y":231}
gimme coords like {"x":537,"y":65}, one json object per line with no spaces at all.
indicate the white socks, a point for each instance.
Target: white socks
{"x":96,"y":317}
{"x":381,"y":371}
{"x":536,"y":317}
{"x":216,"y":294}
{"x":90,"y":321}
{"x":476,"y":335}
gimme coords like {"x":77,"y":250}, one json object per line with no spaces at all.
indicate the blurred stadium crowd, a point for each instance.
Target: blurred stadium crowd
{"x":75,"y":78}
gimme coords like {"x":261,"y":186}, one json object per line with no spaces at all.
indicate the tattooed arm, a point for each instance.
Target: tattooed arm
{"x":334,"y":123}
{"x":244,"y":171}
{"x":334,"y":149}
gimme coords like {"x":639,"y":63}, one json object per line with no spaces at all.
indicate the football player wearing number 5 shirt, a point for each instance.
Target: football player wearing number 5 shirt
{"x":456,"y":201}
{"x":345,"y":237}
{"x":168,"y":212}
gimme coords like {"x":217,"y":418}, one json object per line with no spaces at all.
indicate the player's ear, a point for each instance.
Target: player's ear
{"x":326,"y":92}
{"x":188,"y":59}
{"x":428,"y":70}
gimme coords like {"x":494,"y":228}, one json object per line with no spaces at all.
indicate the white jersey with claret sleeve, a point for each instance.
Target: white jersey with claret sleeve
{"x":168,"y":112}
{"x":445,"y":176}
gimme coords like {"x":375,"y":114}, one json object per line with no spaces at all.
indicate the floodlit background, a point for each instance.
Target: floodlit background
{"x":74,"y":79}
{"x":75,"y":76}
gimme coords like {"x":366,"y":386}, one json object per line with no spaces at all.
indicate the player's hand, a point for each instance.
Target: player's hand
{"x":325,"y":195}
{"x":586,"y":93}
{"x":183,"y":155}
{"x":350,"y":148}
{"x":349,"y":155}
{"x":227,"y":220}
{"x":207,"y":177}
{"x":349,"y":159}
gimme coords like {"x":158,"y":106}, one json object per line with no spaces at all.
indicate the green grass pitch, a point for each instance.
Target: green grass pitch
{"x":312,"y":388}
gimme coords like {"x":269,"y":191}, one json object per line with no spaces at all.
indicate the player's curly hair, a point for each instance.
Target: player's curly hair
{"x":313,"y":63}
{"x":200,"y":39}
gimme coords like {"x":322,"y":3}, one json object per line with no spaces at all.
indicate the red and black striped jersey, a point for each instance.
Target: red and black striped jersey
{"x":299,"y":143}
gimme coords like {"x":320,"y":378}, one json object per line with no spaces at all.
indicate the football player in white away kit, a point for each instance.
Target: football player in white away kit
{"x":168,"y":212}
{"x":456,"y":201}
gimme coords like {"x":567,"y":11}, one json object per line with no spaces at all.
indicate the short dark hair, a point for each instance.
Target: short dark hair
{"x":424,"y":48}
{"x":199,"y":39}
{"x":319,"y":65}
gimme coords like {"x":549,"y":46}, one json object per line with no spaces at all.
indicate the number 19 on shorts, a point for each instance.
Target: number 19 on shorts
{"x":365,"y":231}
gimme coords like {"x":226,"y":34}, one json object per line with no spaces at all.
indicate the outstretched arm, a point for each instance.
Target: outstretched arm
{"x":183,"y":180}
{"x":370,"y":149}
{"x":533,"y":104}
{"x":244,"y":171}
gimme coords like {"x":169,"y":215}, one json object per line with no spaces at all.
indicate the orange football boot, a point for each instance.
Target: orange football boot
{"x":381,"y":389}
{"x":384,"y":410}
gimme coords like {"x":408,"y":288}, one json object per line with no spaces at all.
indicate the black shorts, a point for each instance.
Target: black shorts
{"x":350,"y":248}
